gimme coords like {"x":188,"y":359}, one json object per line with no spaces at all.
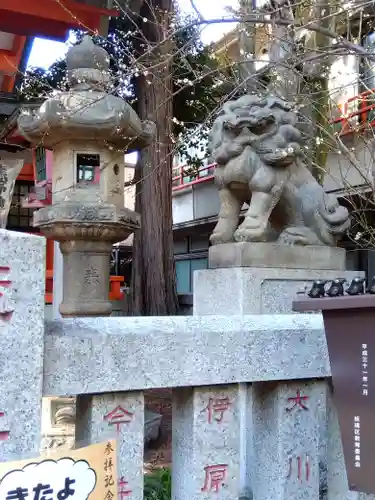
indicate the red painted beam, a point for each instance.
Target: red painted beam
{"x":9,"y":62}
{"x":49,"y":18}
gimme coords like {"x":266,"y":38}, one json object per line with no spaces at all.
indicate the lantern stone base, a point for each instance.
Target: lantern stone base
{"x":255,"y":290}
{"x":86,"y":233}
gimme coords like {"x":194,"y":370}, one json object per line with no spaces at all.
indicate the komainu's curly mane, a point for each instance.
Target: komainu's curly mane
{"x":256,"y":143}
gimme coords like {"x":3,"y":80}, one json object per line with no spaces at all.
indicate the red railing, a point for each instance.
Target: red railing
{"x":358,"y":113}
{"x":187,"y":176}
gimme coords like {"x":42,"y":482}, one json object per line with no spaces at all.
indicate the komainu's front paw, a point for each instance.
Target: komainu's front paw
{"x":220,"y":237}
{"x":254,"y":234}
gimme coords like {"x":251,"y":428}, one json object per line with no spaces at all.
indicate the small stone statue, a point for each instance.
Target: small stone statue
{"x":336,"y":288}
{"x":371,"y":288}
{"x":257,"y":148}
{"x":317,"y":290}
{"x":356,"y":287}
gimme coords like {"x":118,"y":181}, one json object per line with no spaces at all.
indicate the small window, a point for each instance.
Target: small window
{"x":181,"y":246}
{"x":183,"y":276}
{"x":185,"y":273}
{"x":87,"y":167}
{"x":40,"y":164}
{"x":199,"y":242}
{"x":19,"y":218}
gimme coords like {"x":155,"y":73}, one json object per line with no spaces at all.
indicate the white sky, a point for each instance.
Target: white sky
{"x":45,"y":52}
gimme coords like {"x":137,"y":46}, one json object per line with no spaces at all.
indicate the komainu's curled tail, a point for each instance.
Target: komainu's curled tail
{"x":331,"y":220}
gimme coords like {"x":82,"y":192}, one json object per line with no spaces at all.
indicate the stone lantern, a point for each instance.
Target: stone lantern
{"x":88,"y":130}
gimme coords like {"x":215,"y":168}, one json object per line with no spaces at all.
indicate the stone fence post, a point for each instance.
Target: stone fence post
{"x":22,"y":284}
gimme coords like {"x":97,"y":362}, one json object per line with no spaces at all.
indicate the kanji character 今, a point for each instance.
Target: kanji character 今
{"x":298,"y":401}
{"x":214,"y":478}
{"x":17,"y":494}
{"x":216,"y":408}
{"x":118,"y":416}
{"x":108,"y":464}
{"x":108,"y":448}
{"x":67,"y":491}
{"x":109,"y":495}
{"x":108,"y":481}
{"x":43,"y":492}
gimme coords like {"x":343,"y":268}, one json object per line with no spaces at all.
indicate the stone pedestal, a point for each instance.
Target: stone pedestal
{"x":22,"y":283}
{"x":118,"y":416}
{"x":86,"y":233}
{"x":273,"y":255}
{"x":269,"y":286}
{"x":87,"y":296}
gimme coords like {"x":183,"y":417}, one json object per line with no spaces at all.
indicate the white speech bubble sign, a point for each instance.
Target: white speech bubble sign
{"x":64,"y":479}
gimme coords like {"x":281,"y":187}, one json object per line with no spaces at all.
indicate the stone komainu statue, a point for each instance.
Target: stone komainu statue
{"x":257,"y":148}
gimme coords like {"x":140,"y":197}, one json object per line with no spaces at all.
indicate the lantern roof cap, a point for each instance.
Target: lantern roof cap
{"x":87,"y":55}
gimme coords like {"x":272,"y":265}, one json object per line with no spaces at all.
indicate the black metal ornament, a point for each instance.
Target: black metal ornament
{"x":371,"y":288}
{"x":336,"y":288}
{"x":317,"y":289}
{"x":356,"y":287}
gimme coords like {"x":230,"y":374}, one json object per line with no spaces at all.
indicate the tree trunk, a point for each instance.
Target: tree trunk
{"x":153,"y":279}
{"x":247,"y":42}
{"x":285,"y":81}
{"x":317,"y":86}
